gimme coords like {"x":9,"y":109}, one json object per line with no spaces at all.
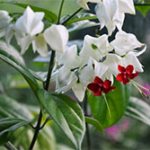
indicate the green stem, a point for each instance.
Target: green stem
{"x":70,"y":17}
{"x":138,"y":4}
{"x":36,"y":131}
{"x":46,"y":87}
{"x":60,"y":11}
{"x":51,"y":65}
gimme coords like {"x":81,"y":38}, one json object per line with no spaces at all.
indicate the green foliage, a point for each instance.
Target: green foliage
{"x":67,"y":114}
{"x":138,"y":109}
{"x":144,"y":9}
{"x":117,"y":101}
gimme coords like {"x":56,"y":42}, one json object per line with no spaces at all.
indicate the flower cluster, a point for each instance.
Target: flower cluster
{"x":99,"y":60}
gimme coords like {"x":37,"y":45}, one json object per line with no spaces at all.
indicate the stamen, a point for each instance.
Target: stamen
{"x":107,"y":105}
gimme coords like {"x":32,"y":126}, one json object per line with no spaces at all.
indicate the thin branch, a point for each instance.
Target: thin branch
{"x":42,"y":126}
{"x":60,"y":11}
{"x":51,"y":65}
{"x":71,"y":16}
{"x":138,"y":4}
{"x":37,"y":129}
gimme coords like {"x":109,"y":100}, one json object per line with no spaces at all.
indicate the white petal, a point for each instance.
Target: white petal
{"x":94,"y":47}
{"x":79,"y":91}
{"x":24,"y":43}
{"x":5,"y":20}
{"x":57,"y":37}
{"x":112,"y":61}
{"x":125,"y":42}
{"x":106,"y":11}
{"x":86,"y":74}
{"x":83,"y":4}
{"x":100,"y":69}
{"x":70,"y":58}
{"x":30,"y":23}
{"x":127,"y":6}
{"x":9,"y":33}
{"x":39,"y":44}
{"x":131,"y":59}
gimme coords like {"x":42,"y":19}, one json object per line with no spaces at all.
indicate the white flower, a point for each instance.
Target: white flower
{"x":131,"y":59}
{"x":111,"y":13}
{"x":83,"y":3}
{"x":57,"y":37}
{"x":94,"y":47}
{"x":73,"y":74}
{"x":39,"y":44}
{"x":125,"y":42}
{"x":30,"y":22}
{"x":108,"y":68}
{"x":5,"y":20}
{"x":28,"y":30}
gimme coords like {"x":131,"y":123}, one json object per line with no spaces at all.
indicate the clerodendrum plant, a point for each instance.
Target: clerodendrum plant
{"x":98,"y":72}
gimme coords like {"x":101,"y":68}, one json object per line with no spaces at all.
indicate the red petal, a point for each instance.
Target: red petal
{"x":129,"y":69}
{"x":135,"y":75}
{"x":126,"y":80}
{"x":98,"y":93}
{"x":120,"y":77}
{"x":94,"y":87}
{"x":107,"y":84}
{"x":109,"y":89}
{"x":98,"y":80}
{"x":121,"y":68}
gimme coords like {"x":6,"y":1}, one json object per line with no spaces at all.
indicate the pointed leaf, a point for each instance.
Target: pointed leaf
{"x":139,"y":109}
{"x":95,"y":123}
{"x":9,"y":58}
{"x":117,"y":101}
{"x":67,"y":114}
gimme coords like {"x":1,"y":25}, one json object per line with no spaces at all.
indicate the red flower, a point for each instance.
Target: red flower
{"x":126,"y":74}
{"x":98,"y":86}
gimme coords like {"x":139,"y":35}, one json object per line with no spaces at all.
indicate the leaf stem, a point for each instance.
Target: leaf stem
{"x":71,"y":16}
{"x":107,"y":105}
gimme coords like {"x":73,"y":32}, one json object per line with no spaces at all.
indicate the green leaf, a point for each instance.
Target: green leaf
{"x":77,"y":19}
{"x":95,"y":123}
{"x":12,"y":60}
{"x":143,"y":9}
{"x":117,"y":101}
{"x":45,"y":140}
{"x":139,"y":109}
{"x":11,"y":108}
{"x":67,"y":114}
{"x":12,"y":115}
{"x":50,"y":7}
{"x":11,"y":124}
